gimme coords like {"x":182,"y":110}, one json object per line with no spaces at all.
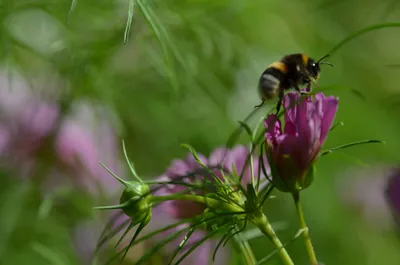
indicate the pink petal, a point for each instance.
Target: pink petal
{"x":178,"y":168}
{"x":193,"y":164}
{"x":237,"y":157}
{"x":329,"y":108}
{"x":305,"y":123}
{"x":290,"y":102}
{"x":273,"y":128}
{"x":217,"y":156}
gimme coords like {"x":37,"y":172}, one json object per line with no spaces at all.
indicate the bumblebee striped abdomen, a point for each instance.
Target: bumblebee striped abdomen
{"x":291,"y":71}
{"x":272,"y":80}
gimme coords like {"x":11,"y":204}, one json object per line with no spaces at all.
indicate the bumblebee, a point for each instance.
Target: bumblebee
{"x":291,"y":71}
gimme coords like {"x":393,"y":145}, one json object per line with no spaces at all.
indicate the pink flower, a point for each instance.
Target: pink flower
{"x":292,"y":151}
{"x":186,"y":209}
{"x":26,"y":120}
{"x":86,"y":138}
{"x":367,"y":191}
{"x":393,"y":194}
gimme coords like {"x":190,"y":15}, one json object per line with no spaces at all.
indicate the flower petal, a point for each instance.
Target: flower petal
{"x":273,"y":128}
{"x":329,"y":107}
{"x":217,"y":156}
{"x":290,"y":102}
{"x":178,"y":168}
{"x":237,"y":157}
{"x":193,"y":164}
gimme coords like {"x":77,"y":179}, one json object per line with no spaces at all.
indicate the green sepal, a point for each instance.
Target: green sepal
{"x":251,"y":198}
{"x":309,"y":177}
{"x":277,"y":180}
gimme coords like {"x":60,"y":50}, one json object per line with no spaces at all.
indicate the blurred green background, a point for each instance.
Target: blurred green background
{"x":187,"y":74}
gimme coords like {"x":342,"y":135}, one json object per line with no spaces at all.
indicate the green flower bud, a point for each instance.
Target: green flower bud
{"x":136,"y":198}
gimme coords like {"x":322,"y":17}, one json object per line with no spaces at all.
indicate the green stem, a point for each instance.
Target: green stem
{"x":211,"y":203}
{"x":306,"y":234}
{"x":245,"y":249}
{"x":265,"y":227}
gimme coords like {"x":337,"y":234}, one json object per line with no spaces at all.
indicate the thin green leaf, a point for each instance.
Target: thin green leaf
{"x":129,"y":21}
{"x":352,"y":144}
{"x":103,"y":237}
{"x":267,"y":194}
{"x":158,"y":29}
{"x":71,"y":9}
{"x":265,"y":259}
{"x":123,"y":182}
{"x":183,"y":242}
{"x":118,"y":206}
{"x":245,"y":249}
{"x":198,"y":160}
{"x":130,"y":164}
{"x":361,"y":32}
{"x":237,"y":232}
{"x":224,"y":237}
{"x":162,"y":243}
{"x":130,"y":226}
{"x":199,"y":242}
{"x":142,"y":225}
{"x":247,"y":128}
{"x":236,"y":133}
{"x":159,"y":245}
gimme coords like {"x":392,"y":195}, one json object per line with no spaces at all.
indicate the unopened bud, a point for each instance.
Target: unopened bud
{"x":136,"y":198}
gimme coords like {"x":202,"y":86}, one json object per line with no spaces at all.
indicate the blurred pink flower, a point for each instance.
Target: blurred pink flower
{"x":179,"y":168}
{"x":364,"y":190}
{"x":26,"y":119}
{"x":85,"y":138}
{"x":292,"y":151}
{"x":393,"y":192}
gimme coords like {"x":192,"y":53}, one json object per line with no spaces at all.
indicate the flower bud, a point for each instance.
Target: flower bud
{"x":292,"y":149}
{"x":136,"y":197}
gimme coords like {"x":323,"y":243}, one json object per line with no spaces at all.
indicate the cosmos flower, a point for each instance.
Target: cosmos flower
{"x":292,"y":150}
{"x":85,"y":138}
{"x":27,"y":119}
{"x":235,"y":157}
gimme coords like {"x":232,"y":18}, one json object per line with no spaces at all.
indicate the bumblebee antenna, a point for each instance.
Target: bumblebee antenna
{"x":323,"y":57}
{"x":326,"y":63}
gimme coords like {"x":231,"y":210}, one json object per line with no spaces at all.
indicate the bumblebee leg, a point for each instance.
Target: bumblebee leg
{"x":308,"y":88}
{"x":307,"y":92}
{"x":259,"y":105}
{"x":279,"y":105}
{"x":295,"y":86}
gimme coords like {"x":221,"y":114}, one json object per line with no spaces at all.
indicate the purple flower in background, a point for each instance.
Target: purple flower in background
{"x":85,"y":138}
{"x":235,"y":157}
{"x":26,"y":119}
{"x":292,"y":150}
{"x":363,"y":190}
{"x":393,"y":194}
